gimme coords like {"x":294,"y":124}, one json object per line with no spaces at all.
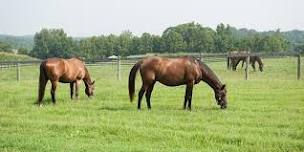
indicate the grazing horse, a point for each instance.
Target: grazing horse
{"x":236,"y":59}
{"x":174,"y":72}
{"x":66,"y":71}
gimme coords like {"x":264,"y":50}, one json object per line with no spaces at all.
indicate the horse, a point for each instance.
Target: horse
{"x":236,"y":59}
{"x":65,"y":71}
{"x":174,"y":72}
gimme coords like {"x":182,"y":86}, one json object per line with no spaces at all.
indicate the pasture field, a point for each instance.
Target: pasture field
{"x":265,"y":113}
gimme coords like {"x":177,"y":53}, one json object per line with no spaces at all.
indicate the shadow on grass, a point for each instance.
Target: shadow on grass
{"x":46,"y":101}
{"x":117,"y":108}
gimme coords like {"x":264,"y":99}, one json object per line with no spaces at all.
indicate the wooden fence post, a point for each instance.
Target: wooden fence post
{"x":228,"y":64}
{"x":118,"y":67}
{"x":18,"y":72}
{"x":299,"y":67}
{"x":247,"y":67}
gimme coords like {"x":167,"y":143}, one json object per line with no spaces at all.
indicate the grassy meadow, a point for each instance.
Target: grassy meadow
{"x":265,"y":113}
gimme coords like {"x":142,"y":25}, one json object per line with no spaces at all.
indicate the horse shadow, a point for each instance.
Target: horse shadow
{"x":109,"y":108}
{"x":46,"y":101}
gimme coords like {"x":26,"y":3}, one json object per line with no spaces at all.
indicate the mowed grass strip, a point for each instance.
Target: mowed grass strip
{"x":265,"y":113}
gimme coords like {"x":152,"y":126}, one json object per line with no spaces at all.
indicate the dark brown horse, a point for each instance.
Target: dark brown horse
{"x":174,"y":72}
{"x":66,"y":71}
{"x":236,"y":59}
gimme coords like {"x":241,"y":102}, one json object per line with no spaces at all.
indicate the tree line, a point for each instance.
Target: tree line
{"x":189,"y":37}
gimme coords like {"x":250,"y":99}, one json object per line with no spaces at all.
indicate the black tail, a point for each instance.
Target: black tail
{"x":42,"y":82}
{"x":132,"y":77}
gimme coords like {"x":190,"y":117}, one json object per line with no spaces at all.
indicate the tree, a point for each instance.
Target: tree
{"x":172,"y":42}
{"x":23,"y":51}
{"x":223,"y":40}
{"x":124,"y":42}
{"x":5,"y":47}
{"x":52,"y":43}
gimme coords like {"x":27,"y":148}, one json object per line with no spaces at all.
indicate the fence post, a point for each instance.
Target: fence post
{"x":247,"y":67}
{"x":18,"y":72}
{"x":299,"y":67}
{"x":118,"y":67}
{"x":228,"y":64}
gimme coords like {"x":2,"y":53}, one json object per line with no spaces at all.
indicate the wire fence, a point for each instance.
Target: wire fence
{"x":286,"y":65}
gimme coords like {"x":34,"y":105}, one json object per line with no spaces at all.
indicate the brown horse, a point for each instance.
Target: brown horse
{"x":236,"y":59}
{"x":174,"y":72}
{"x":66,"y":71}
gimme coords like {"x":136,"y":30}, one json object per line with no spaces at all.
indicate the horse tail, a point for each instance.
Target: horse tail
{"x":132,"y":77}
{"x":42,"y":81}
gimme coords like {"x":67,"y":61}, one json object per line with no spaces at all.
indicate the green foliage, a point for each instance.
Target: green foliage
{"x":264,"y":113}
{"x":23,"y":51}
{"x":223,"y":40}
{"x":5,"y":47}
{"x":172,"y":42}
{"x":52,"y":43}
{"x":188,"y":37}
{"x":4,"y":56}
{"x":18,"y":41}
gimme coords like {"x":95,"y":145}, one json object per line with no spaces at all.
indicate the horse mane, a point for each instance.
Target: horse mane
{"x":87,"y":79}
{"x":213,"y":81}
{"x":259,"y":60}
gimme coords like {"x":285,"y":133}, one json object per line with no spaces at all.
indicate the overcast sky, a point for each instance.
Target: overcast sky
{"x":96,"y":17}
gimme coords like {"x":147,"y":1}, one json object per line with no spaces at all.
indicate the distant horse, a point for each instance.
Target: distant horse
{"x":66,"y":71}
{"x":174,"y":72}
{"x":236,"y":59}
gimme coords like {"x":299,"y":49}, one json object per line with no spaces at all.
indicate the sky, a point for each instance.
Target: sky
{"x":81,"y":18}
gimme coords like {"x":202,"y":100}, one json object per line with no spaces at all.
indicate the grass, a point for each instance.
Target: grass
{"x":265,"y":113}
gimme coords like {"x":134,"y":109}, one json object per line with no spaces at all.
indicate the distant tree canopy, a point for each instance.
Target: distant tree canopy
{"x":189,"y":37}
{"x":52,"y":43}
{"x":5,"y":47}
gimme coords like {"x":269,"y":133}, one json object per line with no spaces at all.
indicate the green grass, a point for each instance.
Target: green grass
{"x":265,"y":113}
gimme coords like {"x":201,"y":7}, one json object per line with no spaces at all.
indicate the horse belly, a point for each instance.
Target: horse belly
{"x":172,"y":80}
{"x":65,"y":80}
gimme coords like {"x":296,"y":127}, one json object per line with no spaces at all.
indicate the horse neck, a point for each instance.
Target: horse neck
{"x":259,"y":61}
{"x":210,"y":78}
{"x":87,"y":79}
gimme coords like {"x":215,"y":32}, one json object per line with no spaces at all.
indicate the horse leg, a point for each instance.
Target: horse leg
{"x":236,"y":64}
{"x":253,"y":66}
{"x":148,"y":95}
{"x":189,"y":94}
{"x":71,"y":89}
{"x":53,"y":90}
{"x":186,"y":98}
{"x":243,"y":64}
{"x":140,"y":95}
{"x":77,"y":89}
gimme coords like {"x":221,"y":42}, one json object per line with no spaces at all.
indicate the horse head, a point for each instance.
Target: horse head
{"x":220,"y":96}
{"x":89,"y":90}
{"x":261,"y":67}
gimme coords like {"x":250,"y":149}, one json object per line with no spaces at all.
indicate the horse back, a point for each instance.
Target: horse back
{"x":171,"y":71}
{"x":64,"y":70}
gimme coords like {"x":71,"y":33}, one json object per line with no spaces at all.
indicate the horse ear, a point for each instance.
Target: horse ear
{"x":223,"y":87}
{"x":93,"y":82}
